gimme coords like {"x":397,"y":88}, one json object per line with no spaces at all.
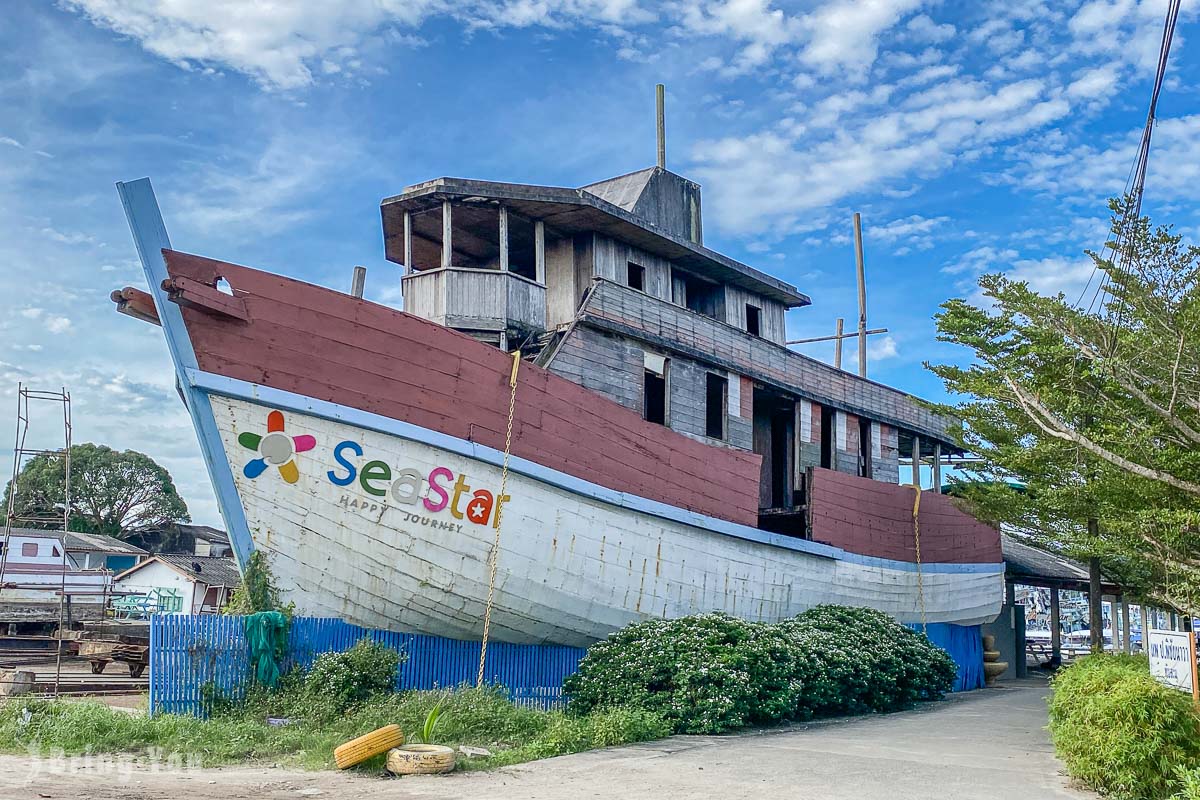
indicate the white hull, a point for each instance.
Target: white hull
{"x":573,"y":566}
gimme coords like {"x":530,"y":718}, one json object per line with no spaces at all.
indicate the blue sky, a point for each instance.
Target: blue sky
{"x":972,"y":137}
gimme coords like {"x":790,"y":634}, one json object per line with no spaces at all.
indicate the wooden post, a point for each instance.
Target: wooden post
{"x":937,"y":466}
{"x":408,"y":265}
{"x":447,"y":235}
{"x":837,"y":346}
{"x":359,"y":282}
{"x":1195,"y":675}
{"x":539,"y":251}
{"x":916,"y":461}
{"x":1126,"y":627}
{"x":862,"y":296}
{"x":660,"y":102}
{"x":1055,"y":628}
{"x":503,"y":239}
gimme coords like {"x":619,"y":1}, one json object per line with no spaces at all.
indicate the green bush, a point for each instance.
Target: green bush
{"x":341,"y":681}
{"x":1189,"y":784}
{"x":703,"y":674}
{"x":1122,"y":732}
{"x":713,"y":673}
{"x":862,"y":660}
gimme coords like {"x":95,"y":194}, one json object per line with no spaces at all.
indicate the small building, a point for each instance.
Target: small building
{"x":182,"y":584}
{"x":96,"y":551}
{"x":207,"y":541}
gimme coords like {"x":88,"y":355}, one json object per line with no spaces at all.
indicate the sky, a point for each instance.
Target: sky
{"x":973,"y":137}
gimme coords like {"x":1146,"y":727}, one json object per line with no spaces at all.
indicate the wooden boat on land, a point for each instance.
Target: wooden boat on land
{"x":669,"y":455}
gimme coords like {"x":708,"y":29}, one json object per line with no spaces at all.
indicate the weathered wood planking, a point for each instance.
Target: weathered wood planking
{"x":324,"y":344}
{"x":874,"y":518}
{"x":483,"y":299}
{"x":571,"y":568}
{"x":617,"y":309}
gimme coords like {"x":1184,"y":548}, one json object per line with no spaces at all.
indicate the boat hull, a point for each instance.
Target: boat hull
{"x":345,"y":540}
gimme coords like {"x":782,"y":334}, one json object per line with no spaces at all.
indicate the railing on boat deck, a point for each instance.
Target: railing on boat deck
{"x":483,"y":299}
{"x":191,"y":656}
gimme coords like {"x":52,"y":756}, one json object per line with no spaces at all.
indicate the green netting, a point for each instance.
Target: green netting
{"x":266,"y":633}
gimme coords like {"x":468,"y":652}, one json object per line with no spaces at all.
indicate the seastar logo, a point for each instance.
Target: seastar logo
{"x":276,"y":449}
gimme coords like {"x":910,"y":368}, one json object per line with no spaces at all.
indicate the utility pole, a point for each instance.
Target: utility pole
{"x":660,"y":97}
{"x":862,"y":296}
{"x":837,"y":347}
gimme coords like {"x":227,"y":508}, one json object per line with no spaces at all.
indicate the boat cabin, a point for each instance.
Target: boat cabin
{"x":611,"y":286}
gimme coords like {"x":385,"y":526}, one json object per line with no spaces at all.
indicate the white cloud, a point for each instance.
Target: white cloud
{"x":281,"y":45}
{"x":1089,"y":172}
{"x":880,"y":348}
{"x":845,"y":35}
{"x":922,"y":28}
{"x":1093,"y":83}
{"x":57,"y":324}
{"x":982,"y":259}
{"x":774,"y":179}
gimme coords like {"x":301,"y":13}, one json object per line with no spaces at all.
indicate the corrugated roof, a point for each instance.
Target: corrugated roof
{"x":215,"y":571}
{"x":98,"y":543}
{"x":1022,"y":560}
{"x":206,"y":533}
{"x":83,"y":542}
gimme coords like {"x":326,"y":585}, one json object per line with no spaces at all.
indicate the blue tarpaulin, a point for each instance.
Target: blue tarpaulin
{"x":964,"y":643}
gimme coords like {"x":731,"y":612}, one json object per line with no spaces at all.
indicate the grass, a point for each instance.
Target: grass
{"x":239,"y":732}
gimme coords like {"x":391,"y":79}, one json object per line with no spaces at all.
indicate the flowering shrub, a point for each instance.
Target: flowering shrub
{"x":712,"y":673}
{"x":866,"y":661}
{"x":340,"y":681}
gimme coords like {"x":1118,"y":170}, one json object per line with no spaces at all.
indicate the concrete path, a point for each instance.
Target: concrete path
{"x":989,"y":745}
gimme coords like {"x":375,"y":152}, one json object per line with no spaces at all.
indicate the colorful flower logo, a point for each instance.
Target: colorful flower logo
{"x":276,"y":449}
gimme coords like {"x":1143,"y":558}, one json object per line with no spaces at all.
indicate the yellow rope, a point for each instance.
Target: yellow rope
{"x":495,"y":554}
{"x":920,"y":572}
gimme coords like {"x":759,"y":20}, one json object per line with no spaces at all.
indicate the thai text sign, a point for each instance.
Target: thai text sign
{"x":1171,"y":658}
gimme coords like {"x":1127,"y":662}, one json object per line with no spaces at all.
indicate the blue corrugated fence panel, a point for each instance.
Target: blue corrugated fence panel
{"x":964,"y":643}
{"x":192,"y":657}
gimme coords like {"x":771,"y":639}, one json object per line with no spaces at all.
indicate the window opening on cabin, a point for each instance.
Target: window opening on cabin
{"x":522,"y":247}
{"x":636,"y":277}
{"x":697,"y":294}
{"x":54,"y":551}
{"x":827,"y":433}
{"x":29,"y":549}
{"x":864,"y":448}
{"x":716,"y":392}
{"x":654,"y":389}
{"x":753,"y":320}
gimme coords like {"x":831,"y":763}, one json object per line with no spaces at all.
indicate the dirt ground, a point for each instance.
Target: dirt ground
{"x":990,"y":745}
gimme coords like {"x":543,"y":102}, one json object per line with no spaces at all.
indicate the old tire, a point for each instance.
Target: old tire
{"x":372,"y":744}
{"x":420,"y":759}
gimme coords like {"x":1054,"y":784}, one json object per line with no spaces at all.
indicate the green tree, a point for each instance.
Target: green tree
{"x":1095,"y":411}
{"x":118,"y":493}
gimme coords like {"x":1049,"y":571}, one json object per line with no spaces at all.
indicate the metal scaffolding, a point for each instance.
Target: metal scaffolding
{"x":45,"y":513}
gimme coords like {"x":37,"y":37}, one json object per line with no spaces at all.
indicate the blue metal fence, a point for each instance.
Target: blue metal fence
{"x":188,"y":653}
{"x":964,"y":643}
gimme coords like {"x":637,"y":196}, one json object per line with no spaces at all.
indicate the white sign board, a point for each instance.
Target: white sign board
{"x":1171,"y":658}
